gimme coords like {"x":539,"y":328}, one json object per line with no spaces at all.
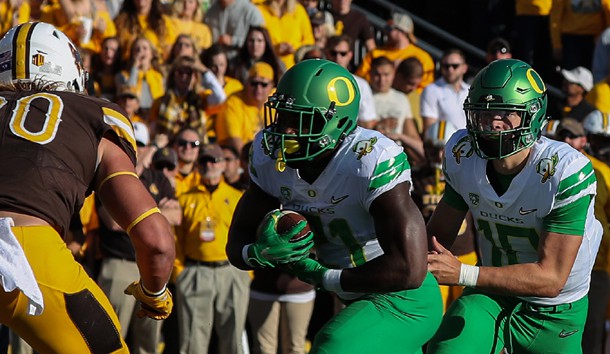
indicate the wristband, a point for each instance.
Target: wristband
{"x":150,"y":293}
{"x":331,"y":280}
{"x":244,"y":255}
{"x":468,"y":275}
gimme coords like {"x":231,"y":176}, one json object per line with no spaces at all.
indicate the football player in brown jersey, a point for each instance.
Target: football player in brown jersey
{"x":57,"y":145}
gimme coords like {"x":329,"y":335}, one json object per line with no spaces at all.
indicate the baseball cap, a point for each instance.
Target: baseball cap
{"x":141,"y":133}
{"x":571,"y":126}
{"x":317,"y":18}
{"x":211,"y":150}
{"x":261,"y":69}
{"x":597,"y":122}
{"x":580,"y":76}
{"x":498,"y":45}
{"x":127,"y":91}
{"x":165,"y":157}
{"x":401,"y":21}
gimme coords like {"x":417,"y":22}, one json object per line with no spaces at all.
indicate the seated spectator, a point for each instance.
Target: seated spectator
{"x":187,"y":16}
{"x":321,"y":27}
{"x":310,"y":51}
{"x":289,"y":27}
{"x":128,"y":99}
{"x":258,"y":47}
{"x":399,"y":46}
{"x":84,"y":22}
{"x":230,"y":20}
{"x":576,"y":83}
{"x":233,"y":171}
{"x":145,"y":19}
{"x":353,"y":23}
{"x":166,"y":160}
{"x":599,"y":95}
{"x":242,"y":115}
{"x":408,"y":77}
{"x":339,"y":50}
{"x":215,"y":58}
{"x":498,"y":48}
{"x":105,"y":66}
{"x":395,"y":119}
{"x":143,"y":73}
{"x":183,"y":104}
{"x":183,"y":46}
{"x":186,"y":145}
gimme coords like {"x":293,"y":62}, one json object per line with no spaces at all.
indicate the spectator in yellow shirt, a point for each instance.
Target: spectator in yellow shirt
{"x":399,"y":46}
{"x":188,"y":19}
{"x":146,"y":19}
{"x":242,"y":115}
{"x":143,"y":74}
{"x":289,"y":27}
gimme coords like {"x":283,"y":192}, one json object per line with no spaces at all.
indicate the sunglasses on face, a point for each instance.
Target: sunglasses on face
{"x":259,"y":83}
{"x":335,"y":53}
{"x":454,"y":66}
{"x":184,"y":143}
{"x":209,"y":159}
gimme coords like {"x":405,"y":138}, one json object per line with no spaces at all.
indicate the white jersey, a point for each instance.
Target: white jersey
{"x":366,"y":165}
{"x":509,"y":226}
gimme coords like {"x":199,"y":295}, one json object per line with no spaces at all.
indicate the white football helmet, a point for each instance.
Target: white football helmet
{"x":438,"y":133}
{"x":39,"y":51}
{"x":596,"y":122}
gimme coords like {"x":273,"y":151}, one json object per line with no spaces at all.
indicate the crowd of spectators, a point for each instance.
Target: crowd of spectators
{"x":193,"y":77}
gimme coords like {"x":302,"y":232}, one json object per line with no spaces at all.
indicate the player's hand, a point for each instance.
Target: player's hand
{"x":272,"y":248}
{"x":156,"y":307}
{"x":443,"y":264}
{"x":308,"y":270}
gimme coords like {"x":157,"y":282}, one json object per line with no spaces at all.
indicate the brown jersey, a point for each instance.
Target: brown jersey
{"x":48,"y":150}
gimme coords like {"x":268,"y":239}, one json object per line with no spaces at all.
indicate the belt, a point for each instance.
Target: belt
{"x":548,"y":309}
{"x":217,"y":264}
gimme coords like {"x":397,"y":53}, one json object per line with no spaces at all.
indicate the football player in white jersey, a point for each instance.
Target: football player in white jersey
{"x":353,"y":186}
{"x":532,"y":200}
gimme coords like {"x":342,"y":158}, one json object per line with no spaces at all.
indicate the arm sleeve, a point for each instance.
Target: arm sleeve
{"x":454,"y":199}
{"x":569,"y":219}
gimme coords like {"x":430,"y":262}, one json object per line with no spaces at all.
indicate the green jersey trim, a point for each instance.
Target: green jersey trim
{"x":576,"y":183}
{"x":569,"y":219}
{"x":454,"y":199}
{"x":386,"y":171}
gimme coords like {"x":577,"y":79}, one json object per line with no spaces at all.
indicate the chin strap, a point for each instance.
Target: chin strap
{"x":290,"y":147}
{"x":280,"y":163}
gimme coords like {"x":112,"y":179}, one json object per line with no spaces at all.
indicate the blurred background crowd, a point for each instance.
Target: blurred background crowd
{"x":193,"y":77}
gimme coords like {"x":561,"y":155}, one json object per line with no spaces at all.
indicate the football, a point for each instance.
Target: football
{"x":287,"y":221}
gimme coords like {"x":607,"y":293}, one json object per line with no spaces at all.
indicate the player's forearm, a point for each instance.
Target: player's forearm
{"x":154,"y":244}
{"x":385,"y":275}
{"x":527,"y":279}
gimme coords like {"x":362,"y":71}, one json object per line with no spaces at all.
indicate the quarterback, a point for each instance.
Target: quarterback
{"x":532,"y":200}
{"x":58,"y":145}
{"x":352,"y":185}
